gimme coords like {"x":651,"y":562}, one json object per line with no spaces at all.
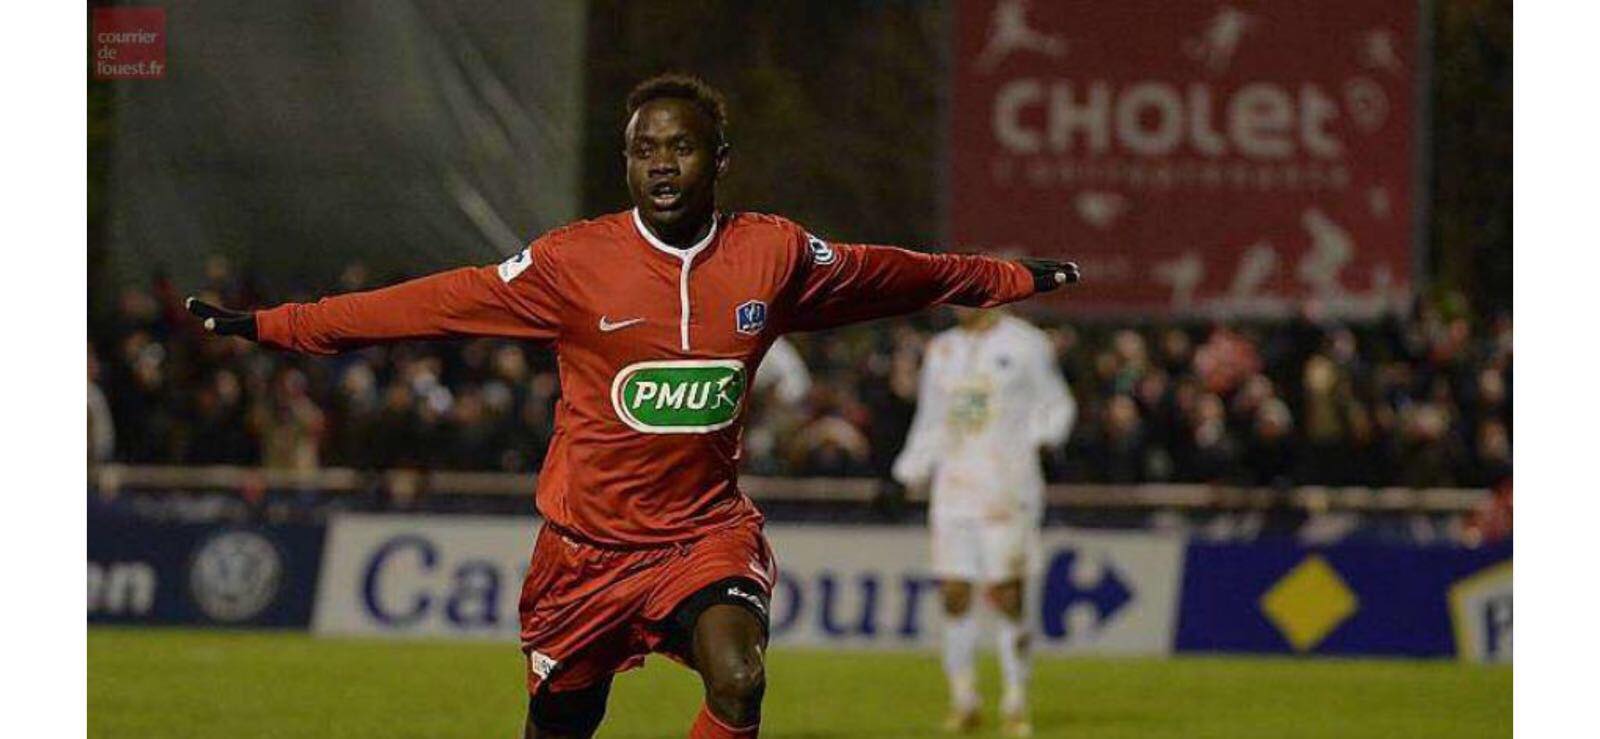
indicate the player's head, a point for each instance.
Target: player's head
{"x":676,"y":147}
{"x":976,"y":319}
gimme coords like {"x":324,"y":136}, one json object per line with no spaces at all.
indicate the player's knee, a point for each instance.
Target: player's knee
{"x":559,"y":715}
{"x":1007,"y":599}
{"x":742,"y":679}
{"x":957,"y":597}
{"x":737,"y":683}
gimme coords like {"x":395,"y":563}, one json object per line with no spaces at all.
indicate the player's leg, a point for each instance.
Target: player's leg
{"x":573,"y":648}
{"x":1013,"y":641}
{"x":1007,"y":554}
{"x":567,"y":714}
{"x":709,"y":611}
{"x":960,"y":653}
{"x":955,"y":564}
{"x":728,"y":649}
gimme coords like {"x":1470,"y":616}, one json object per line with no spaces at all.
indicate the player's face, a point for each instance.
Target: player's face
{"x":673,"y":166}
{"x":976,"y":319}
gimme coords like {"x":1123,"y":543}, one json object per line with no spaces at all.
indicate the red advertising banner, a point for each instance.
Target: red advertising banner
{"x":129,"y":43}
{"x":1201,"y":157}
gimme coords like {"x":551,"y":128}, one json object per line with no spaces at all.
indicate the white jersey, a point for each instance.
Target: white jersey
{"x":987,"y":402}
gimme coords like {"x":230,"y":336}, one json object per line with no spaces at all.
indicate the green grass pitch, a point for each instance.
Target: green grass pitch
{"x":178,"y":683}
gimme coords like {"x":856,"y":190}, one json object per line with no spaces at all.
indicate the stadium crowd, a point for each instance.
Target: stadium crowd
{"x":1420,"y":400}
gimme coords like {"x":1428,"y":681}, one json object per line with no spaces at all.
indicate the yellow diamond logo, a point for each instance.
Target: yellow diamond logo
{"x":1309,"y":603}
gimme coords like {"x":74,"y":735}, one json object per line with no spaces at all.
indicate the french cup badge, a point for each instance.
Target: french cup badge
{"x":750,"y":317}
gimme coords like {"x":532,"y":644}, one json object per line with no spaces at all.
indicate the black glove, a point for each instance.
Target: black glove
{"x":1049,"y":274}
{"x":222,"y":321}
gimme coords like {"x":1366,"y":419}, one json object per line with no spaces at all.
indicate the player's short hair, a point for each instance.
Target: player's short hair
{"x":684,"y":87}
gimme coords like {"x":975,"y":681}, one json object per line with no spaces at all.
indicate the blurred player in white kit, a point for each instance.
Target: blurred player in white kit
{"x":989,"y":399}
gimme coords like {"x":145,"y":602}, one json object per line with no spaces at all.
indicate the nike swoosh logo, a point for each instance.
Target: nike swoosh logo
{"x":607,"y":326}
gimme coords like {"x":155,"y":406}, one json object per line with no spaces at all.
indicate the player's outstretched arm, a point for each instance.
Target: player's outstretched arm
{"x":847,"y":283}
{"x":515,"y":302}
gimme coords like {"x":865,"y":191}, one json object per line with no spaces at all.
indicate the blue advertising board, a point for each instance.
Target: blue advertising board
{"x":1096,"y":592}
{"x":1370,"y":599}
{"x":144,"y":572}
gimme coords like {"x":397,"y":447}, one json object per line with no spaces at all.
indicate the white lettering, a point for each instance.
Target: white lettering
{"x":1206,"y":139}
{"x":1008,"y":117}
{"x":121,"y":588}
{"x":699,"y":403}
{"x":671,"y":396}
{"x":1092,"y":118}
{"x":1316,"y":109}
{"x":646,"y":391}
{"x":1259,"y":117}
{"x":1163,"y":101}
{"x":128,"y":37}
{"x":1152,"y":118}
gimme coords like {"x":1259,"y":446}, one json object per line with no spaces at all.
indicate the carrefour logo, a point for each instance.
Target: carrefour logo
{"x":685,"y":396}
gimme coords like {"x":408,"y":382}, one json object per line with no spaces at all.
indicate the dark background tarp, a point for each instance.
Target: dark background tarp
{"x":835,"y":108}
{"x":296,"y":136}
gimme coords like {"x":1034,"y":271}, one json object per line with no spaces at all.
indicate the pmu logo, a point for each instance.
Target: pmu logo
{"x":1080,"y":596}
{"x":679,"y":396}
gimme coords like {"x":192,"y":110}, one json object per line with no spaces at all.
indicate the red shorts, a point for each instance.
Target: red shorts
{"x":589,"y":611}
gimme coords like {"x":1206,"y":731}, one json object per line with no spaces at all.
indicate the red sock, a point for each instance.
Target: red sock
{"x":707,"y":726}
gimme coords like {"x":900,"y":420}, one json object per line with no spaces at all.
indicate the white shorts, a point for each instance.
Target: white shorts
{"x":984,"y":552}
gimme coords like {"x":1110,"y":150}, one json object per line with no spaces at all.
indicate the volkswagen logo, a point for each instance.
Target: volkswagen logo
{"x":235,"y":575}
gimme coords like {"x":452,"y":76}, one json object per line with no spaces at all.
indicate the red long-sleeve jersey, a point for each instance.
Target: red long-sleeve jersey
{"x":655,"y":347}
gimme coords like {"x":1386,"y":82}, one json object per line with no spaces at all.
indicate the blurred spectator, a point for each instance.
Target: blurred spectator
{"x":1225,"y":360}
{"x":776,"y":407}
{"x":1124,"y":444}
{"x":1429,"y":452}
{"x":832,"y":447}
{"x":290,"y":423}
{"x":1491,"y":522}
{"x":102,"y":430}
{"x":1271,"y":453}
{"x":1335,"y":424}
{"x":1177,"y":351}
{"x":220,"y":426}
{"x":1422,"y":399}
{"x":1215,"y":456}
{"x":1494,"y":455}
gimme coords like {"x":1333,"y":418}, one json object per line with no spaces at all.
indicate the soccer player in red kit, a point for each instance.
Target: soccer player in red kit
{"x":658,"y":316}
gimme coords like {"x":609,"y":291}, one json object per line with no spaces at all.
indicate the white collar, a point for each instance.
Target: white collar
{"x":684,"y":254}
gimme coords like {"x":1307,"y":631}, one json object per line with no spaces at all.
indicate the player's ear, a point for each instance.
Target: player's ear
{"x":724,"y":151}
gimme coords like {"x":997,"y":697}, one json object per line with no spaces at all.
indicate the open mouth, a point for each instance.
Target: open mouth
{"x":666,"y":196}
